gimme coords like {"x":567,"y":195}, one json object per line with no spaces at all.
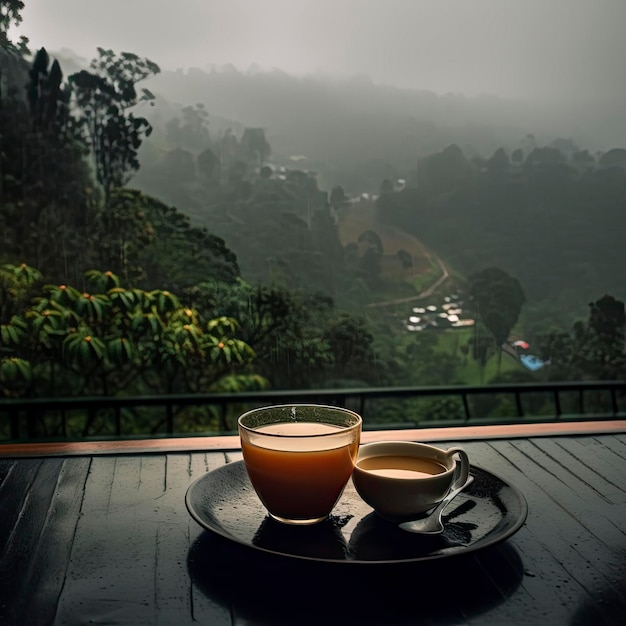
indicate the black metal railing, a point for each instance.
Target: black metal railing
{"x":381,"y":408}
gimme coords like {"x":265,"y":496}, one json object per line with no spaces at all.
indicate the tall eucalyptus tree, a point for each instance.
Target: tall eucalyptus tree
{"x":106,"y":97}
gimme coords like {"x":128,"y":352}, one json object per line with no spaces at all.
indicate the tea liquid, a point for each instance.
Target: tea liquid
{"x":300,"y":478}
{"x":402,"y":466}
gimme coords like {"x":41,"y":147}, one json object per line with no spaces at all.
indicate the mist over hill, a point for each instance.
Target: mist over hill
{"x":341,"y":124}
{"x":345,"y":126}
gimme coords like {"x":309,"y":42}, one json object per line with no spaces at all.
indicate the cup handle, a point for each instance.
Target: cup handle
{"x":461,"y":470}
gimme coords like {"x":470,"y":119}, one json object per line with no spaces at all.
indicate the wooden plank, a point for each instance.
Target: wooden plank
{"x":174,"y":593}
{"x":106,"y":578}
{"x":589,"y":460}
{"x":42,"y":587}
{"x":17,"y":479}
{"x":29,"y":490}
{"x":616,"y":444}
{"x":204,"y":609}
{"x":579,"y":490}
{"x":217,"y":443}
{"x":560,"y":537}
{"x":129,"y":559}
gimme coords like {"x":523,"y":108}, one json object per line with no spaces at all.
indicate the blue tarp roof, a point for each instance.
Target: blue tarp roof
{"x":531,"y":362}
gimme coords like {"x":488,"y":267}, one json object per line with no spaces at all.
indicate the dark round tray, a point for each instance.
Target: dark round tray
{"x":488,"y":511}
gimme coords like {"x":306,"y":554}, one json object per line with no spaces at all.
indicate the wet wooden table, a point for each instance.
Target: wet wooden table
{"x":99,"y":533}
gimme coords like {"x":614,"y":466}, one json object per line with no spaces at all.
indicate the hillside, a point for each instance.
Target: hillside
{"x":361,"y":217}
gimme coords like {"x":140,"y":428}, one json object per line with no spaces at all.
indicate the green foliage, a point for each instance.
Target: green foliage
{"x":444,"y":171}
{"x":337,"y":197}
{"x":300,"y":341}
{"x":105,"y":97}
{"x":499,"y":162}
{"x":109,"y":339}
{"x":191,"y":132}
{"x":208,"y":166}
{"x":48,"y":98}
{"x":591,"y":351}
{"x":498,"y":299}
{"x":254,"y":146}
{"x":180,"y":255}
{"x":47,"y":203}
{"x":10,"y":14}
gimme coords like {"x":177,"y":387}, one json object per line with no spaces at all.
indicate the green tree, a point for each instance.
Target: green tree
{"x":594,"y":350}
{"x":254,"y":147}
{"x":147,"y":243}
{"x":481,"y":347}
{"x":499,"y":162}
{"x":180,"y":255}
{"x":351,"y":343}
{"x":372,"y":240}
{"x":616,"y":157}
{"x":283,"y":327}
{"x":607,"y":319}
{"x":444,"y":171}
{"x":544,"y":157}
{"x":10,"y":15}
{"x":405,"y":258}
{"x":498,"y":299}
{"x":179,"y":166}
{"x":517,"y":156}
{"x":337,"y":197}
{"x":192,"y":133}
{"x":47,"y":200}
{"x":208,"y":165}
{"x":47,"y":97}
{"x":583,"y":160}
{"x":370,"y":261}
{"x":108,"y":339}
{"x":106,"y":97}
{"x":386,"y":187}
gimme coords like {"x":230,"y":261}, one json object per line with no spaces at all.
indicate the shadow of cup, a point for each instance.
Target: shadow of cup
{"x":323,"y":540}
{"x":271,"y":589}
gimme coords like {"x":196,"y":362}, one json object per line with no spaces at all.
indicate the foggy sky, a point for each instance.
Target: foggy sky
{"x":536,"y":49}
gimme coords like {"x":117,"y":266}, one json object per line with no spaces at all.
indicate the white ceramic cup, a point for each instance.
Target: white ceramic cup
{"x":388,"y":476}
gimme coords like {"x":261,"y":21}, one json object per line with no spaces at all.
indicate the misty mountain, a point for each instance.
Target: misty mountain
{"x":347,"y":127}
{"x":341,"y":124}
{"x":335,"y":122}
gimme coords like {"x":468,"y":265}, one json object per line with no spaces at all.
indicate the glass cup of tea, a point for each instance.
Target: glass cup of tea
{"x":299,"y":458}
{"x":401,"y":480}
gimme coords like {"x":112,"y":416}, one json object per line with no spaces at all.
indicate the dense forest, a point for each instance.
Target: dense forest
{"x":153,"y":246}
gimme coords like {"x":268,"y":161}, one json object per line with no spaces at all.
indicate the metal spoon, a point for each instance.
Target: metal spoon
{"x":432,"y":524}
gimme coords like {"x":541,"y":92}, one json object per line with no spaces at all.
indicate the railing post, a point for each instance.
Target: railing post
{"x":557,"y":404}
{"x":223,"y":425}
{"x":118,"y":422}
{"x":14,"y":419}
{"x":466,"y":407}
{"x":614,"y":403}
{"x":169,"y":422}
{"x":581,"y":401}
